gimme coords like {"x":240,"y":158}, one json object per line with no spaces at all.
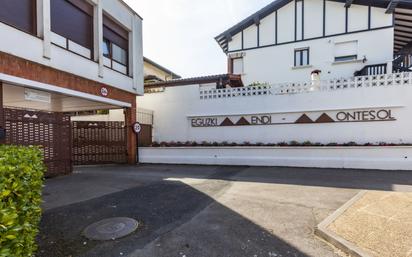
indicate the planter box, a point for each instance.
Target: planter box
{"x":358,"y":157}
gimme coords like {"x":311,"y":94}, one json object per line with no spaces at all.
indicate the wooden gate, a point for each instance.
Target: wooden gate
{"x":145,"y":118}
{"x":99,"y":142}
{"x":50,"y":131}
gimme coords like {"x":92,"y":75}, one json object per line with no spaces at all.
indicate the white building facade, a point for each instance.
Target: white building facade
{"x":64,"y":56}
{"x":287,"y":40}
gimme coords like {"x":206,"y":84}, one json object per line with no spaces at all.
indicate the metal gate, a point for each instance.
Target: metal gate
{"x":50,"y":131}
{"x":99,"y":142}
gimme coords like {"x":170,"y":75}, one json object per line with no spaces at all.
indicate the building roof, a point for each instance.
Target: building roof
{"x":224,"y":38}
{"x":222,"y":79}
{"x":160,"y":67}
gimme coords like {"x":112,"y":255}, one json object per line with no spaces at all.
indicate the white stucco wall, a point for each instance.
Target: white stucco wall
{"x":276,"y":64}
{"x":40,"y":50}
{"x":380,"y":158}
{"x":174,"y":108}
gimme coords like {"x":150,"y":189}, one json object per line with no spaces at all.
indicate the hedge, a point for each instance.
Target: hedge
{"x":21,"y":181}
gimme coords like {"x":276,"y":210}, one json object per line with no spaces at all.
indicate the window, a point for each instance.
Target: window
{"x":72,"y":25}
{"x":237,"y":66}
{"x":346,"y":51}
{"x":301,"y":57}
{"x":115,"y":46}
{"x":20,"y":14}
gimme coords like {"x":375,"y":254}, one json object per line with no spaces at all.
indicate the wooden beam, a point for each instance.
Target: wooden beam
{"x":348,"y":3}
{"x":391,"y":6}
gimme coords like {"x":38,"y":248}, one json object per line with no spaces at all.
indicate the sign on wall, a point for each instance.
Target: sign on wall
{"x":369,"y":115}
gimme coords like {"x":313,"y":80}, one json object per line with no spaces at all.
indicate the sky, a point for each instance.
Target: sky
{"x":179,"y":34}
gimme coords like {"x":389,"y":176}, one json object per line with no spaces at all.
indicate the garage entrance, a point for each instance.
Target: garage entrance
{"x":50,"y":131}
{"x":99,"y":142}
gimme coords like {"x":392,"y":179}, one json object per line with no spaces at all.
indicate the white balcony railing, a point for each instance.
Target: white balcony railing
{"x":384,"y":80}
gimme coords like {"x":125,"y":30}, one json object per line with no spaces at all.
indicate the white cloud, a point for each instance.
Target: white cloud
{"x":179,"y":34}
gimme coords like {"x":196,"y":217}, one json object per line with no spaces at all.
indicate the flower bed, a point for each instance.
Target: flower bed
{"x":280,"y":144}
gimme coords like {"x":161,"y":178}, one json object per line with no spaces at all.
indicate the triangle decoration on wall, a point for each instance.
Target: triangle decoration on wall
{"x":304,"y":119}
{"x":324,"y":118}
{"x":227,"y":122}
{"x":242,"y":122}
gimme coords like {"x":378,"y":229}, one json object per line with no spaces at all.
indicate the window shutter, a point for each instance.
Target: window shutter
{"x":115,"y":33}
{"x":20,"y":14}
{"x":346,"y":48}
{"x":238,"y":66}
{"x":72,"y":22}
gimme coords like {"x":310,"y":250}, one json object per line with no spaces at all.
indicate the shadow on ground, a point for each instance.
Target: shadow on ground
{"x":160,"y":207}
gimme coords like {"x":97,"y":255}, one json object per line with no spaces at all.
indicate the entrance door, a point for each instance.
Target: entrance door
{"x":99,"y":142}
{"x":50,"y":131}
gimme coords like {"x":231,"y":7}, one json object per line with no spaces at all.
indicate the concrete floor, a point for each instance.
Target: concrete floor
{"x":202,"y":211}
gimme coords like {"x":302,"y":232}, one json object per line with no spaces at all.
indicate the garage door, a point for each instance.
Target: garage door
{"x":99,"y":142}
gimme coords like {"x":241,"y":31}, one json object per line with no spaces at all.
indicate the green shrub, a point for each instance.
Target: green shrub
{"x":21,"y":181}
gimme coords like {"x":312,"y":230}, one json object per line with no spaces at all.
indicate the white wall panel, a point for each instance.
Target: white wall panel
{"x":236,"y":42}
{"x":313,"y":18}
{"x":250,"y":37}
{"x":268,"y":30}
{"x":299,"y":18}
{"x":335,"y":18}
{"x":286,"y":23}
{"x":357,"y":18}
{"x":379,"y":18}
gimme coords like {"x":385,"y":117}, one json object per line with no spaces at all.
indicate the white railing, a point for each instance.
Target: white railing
{"x":384,"y":80}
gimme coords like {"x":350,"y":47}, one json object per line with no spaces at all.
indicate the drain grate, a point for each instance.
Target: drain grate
{"x":110,"y":229}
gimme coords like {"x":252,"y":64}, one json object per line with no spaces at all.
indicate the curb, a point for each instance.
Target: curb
{"x":322,"y":231}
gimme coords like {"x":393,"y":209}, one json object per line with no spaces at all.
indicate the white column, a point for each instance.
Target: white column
{"x":44,"y":29}
{"x":389,"y":67}
{"x":98,"y":35}
{"x":136,"y":54}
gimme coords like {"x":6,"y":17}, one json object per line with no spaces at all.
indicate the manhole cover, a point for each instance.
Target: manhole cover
{"x":110,"y":229}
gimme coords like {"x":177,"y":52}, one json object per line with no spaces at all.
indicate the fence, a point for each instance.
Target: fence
{"x":395,"y":79}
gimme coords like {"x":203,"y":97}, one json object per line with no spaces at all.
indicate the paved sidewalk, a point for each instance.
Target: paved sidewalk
{"x":380,"y":223}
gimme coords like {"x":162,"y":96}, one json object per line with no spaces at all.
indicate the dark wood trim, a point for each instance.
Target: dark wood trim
{"x":296,"y":20}
{"x":369,"y":17}
{"x":303,"y":19}
{"x":324,"y":17}
{"x":276,"y":28}
{"x":346,"y":19}
{"x":348,"y":3}
{"x":258,"y":34}
{"x":315,"y":38}
{"x":233,"y":79}
{"x":243,"y":40}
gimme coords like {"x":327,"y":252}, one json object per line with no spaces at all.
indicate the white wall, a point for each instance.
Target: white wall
{"x":380,"y":158}
{"x":34,"y":48}
{"x":272,"y":59}
{"x":173,"y":108}
{"x":276,"y":64}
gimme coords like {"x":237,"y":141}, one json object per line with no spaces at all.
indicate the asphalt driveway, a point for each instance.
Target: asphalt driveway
{"x":202,"y":211}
